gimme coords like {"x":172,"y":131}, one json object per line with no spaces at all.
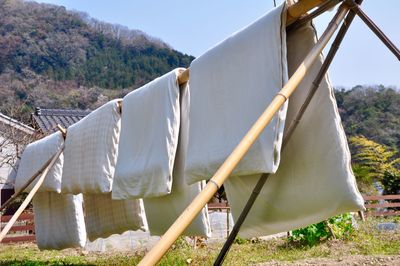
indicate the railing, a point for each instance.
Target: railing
{"x":382,"y":205}
{"x":22,"y":231}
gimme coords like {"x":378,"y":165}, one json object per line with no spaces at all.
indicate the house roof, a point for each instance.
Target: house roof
{"x":6,"y":121}
{"x":46,"y":120}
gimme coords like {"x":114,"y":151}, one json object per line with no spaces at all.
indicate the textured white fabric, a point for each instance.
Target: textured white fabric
{"x":231,"y":84}
{"x":91,"y":151}
{"x":314,"y":180}
{"x":104,"y":216}
{"x":161,"y":212}
{"x":149,"y":139}
{"x":34,"y":157}
{"x":59,"y":221}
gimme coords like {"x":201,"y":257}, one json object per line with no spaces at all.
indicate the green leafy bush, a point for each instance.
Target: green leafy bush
{"x":339,"y":226}
{"x":391,"y":182}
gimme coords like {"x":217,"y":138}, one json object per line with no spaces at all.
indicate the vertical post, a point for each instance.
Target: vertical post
{"x":241,"y":149}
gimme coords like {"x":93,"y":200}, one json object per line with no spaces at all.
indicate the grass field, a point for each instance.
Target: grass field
{"x":367,"y":245}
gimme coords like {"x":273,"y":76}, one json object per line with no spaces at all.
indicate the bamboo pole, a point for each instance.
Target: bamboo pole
{"x":241,"y":149}
{"x":30,"y":195}
{"x":310,"y":16}
{"x":35,"y":175}
{"x":375,"y":29}
{"x":293,"y":12}
{"x":292,"y":127}
{"x":300,"y":8}
{"x":19,"y":192}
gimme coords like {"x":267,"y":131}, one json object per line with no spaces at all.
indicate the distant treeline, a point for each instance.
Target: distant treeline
{"x":64,"y":45}
{"x":54,"y":58}
{"x":371,"y":111}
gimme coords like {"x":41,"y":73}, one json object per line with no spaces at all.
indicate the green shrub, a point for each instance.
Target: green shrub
{"x":339,"y":226}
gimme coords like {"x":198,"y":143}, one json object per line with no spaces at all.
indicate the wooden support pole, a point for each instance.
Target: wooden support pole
{"x":300,"y":8}
{"x":238,"y":153}
{"x":34,"y":176}
{"x":62,"y":130}
{"x":375,"y":29}
{"x":19,"y":192}
{"x":30,"y":195}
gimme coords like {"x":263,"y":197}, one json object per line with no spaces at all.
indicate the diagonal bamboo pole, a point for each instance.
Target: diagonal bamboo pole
{"x":30,"y":195}
{"x":292,"y":127}
{"x":19,"y":192}
{"x":304,"y":19}
{"x":300,"y":8}
{"x":35,"y":175}
{"x":241,"y":149}
{"x":375,"y":29}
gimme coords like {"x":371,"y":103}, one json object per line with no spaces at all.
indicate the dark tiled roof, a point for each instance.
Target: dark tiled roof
{"x":46,"y":120}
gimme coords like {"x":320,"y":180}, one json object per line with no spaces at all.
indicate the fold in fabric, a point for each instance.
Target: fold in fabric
{"x":314,"y":180}
{"x":91,"y":150}
{"x":104,"y":216}
{"x":149,"y":139}
{"x":35,"y":155}
{"x":161,"y":212}
{"x":59,"y":221}
{"x":231,"y":84}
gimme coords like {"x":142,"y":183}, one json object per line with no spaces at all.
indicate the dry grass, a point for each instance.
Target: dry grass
{"x":367,"y":242}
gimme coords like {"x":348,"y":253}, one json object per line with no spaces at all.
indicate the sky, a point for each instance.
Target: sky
{"x":192,"y":27}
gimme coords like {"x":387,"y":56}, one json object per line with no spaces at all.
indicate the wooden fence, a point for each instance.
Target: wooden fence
{"x":22,"y":231}
{"x":382,"y":205}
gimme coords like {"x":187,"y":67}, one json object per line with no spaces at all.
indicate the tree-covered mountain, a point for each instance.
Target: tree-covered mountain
{"x":53,"y":57}
{"x":371,"y":111}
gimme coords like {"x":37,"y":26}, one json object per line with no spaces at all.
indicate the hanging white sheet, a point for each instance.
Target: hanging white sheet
{"x":149,"y":139}
{"x":35,"y":155}
{"x":105,"y":216}
{"x":231,"y":84}
{"x":314,"y":180}
{"x":91,"y":150}
{"x":59,"y":221}
{"x":161,"y":212}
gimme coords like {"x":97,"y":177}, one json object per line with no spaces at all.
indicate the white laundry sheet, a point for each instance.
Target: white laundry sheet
{"x":34,"y":157}
{"x":59,"y":220}
{"x":149,"y":139}
{"x":231,"y":85}
{"x":91,"y":150}
{"x":105,"y":216}
{"x":161,"y":212}
{"x":314,"y":180}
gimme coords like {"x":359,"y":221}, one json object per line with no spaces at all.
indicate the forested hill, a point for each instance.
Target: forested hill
{"x":373,"y":112}
{"x":54,"y":58}
{"x":49,"y":56}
